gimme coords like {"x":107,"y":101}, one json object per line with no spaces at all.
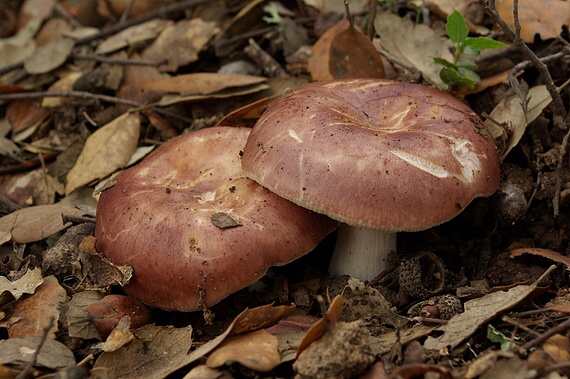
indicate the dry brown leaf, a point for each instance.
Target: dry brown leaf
{"x":24,"y":114}
{"x":78,"y":319}
{"x":19,"y":351}
{"x":35,"y":312}
{"x":120,"y":336}
{"x":204,"y":83}
{"x":320,"y":327}
{"x":543,"y":17}
{"x":180,"y":43}
{"x":20,"y":46}
{"x":510,"y":112}
{"x":205,"y":372}
{"x":256,"y":350}
{"x":344,"y":52}
{"x":558,"y":348}
{"x":153,"y":353}
{"x":412,"y":45}
{"x":105,"y":151}
{"x":34,"y":223}
{"x":545,"y":253}
{"x":28,"y":283}
{"x":49,"y":57}
{"x":247,"y":321}
{"x":477,"y":312}
{"x":133,"y":36}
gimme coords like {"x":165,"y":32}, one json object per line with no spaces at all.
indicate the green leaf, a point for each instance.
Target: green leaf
{"x":482,"y":43}
{"x":467,"y":73}
{"x":452,"y":77}
{"x":456,"y":27}
{"x":471,"y":65}
{"x":444,"y":63}
{"x":495,"y":336}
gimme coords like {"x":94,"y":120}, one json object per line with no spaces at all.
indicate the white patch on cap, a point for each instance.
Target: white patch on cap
{"x":467,"y":158}
{"x":468,"y":161}
{"x":295,"y":136}
{"x":422,"y":163}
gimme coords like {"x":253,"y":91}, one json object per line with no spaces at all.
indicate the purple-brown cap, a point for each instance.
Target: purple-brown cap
{"x":170,"y":218}
{"x":373,"y":153}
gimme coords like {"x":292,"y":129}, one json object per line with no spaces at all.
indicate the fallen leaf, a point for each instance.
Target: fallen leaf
{"x":412,"y":45}
{"x":24,"y":114}
{"x":20,"y":46}
{"x":545,"y":253}
{"x":249,"y":320}
{"x":319,"y":328}
{"x":49,"y":57}
{"x":180,"y":43}
{"x":120,"y":336}
{"x":34,"y":313}
{"x":108,"y":312}
{"x":256,"y":350}
{"x":105,"y":151}
{"x":79,"y":322}
{"x":27,"y":284}
{"x":558,"y":348}
{"x":545,"y":17}
{"x":205,"y":372}
{"x":344,"y":52}
{"x":153,"y":353}
{"x":169,"y":99}
{"x":509,"y":112}
{"x":477,"y":312}
{"x":202,"y":83}
{"x":34,"y":223}
{"x":133,"y":36}
{"x":20,"y":351}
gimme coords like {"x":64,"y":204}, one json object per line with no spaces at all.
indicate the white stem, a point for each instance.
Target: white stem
{"x":361,"y":253}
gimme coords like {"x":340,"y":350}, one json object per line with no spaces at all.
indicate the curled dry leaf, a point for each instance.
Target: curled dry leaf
{"x":319,"y":328}
{"x":545,"y":253}
{"x":509,"y":112}
{"x":105,"y":151}
{"x":28,"y":283}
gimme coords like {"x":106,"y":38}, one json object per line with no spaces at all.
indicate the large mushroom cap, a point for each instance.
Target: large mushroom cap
{"x":158,"y":218}
{"x":373,"y":153}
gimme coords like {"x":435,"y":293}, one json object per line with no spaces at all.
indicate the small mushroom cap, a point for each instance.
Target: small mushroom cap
{"x":159,"y":218}
{"x":373,"y":153}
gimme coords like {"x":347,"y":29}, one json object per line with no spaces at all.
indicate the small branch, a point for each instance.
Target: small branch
{"x":89,"y":95}
{"x":558,"y":105}
{"x":549,"y":333}
{"x":126,"y":62}
{"x":27,"y":372}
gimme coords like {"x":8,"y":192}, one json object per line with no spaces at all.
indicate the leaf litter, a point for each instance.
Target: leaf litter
{"x":95,"y":91}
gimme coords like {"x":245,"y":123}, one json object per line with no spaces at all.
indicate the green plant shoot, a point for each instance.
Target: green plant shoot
{"x":462,"y":71}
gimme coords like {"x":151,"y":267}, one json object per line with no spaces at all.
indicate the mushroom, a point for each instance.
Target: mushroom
{"x":194,"y":228}
{"x":379,"y":156}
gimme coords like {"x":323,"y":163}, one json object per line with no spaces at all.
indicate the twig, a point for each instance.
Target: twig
{"x":373,"y":6}
{"x":126,"y":62}
{"x":89,"y":95}
{"x":521,"y":66}
{"x":559,"y":109}
{"x":549,"y":333}
{"x":62,"y":12}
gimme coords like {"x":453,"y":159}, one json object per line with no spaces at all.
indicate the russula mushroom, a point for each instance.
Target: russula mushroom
{"x":194,"y":228}
{"x":377,"y":155}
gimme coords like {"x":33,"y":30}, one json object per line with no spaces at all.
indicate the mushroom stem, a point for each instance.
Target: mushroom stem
{"x":361,"y":253}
